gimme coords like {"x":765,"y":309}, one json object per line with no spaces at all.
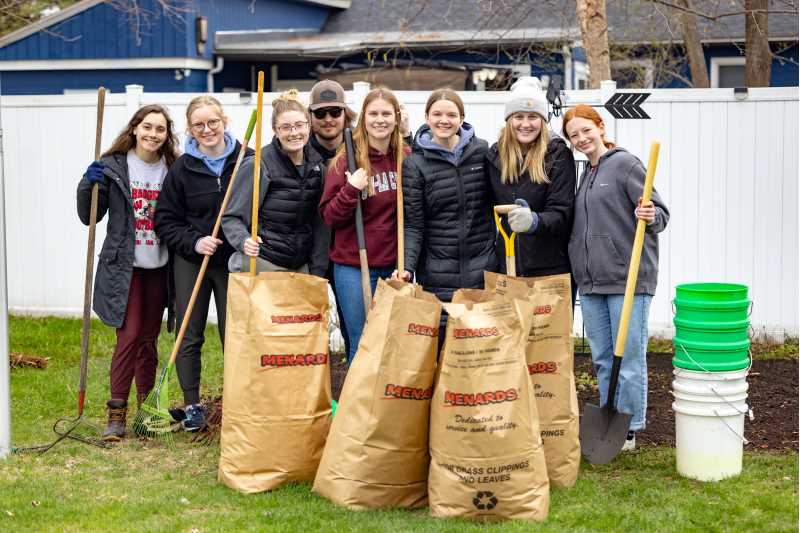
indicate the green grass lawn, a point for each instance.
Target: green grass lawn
{"x":140,"y":486}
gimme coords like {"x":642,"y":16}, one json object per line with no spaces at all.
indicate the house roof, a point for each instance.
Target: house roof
{"x":369,"y":24}
{"x":629,"y":20}
{"x":50,"y":20}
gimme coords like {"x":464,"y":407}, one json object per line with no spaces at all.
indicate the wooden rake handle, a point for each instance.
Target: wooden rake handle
{"x":89,"y":274}
{"x":257,"y":167}
{"x":206,"y":258}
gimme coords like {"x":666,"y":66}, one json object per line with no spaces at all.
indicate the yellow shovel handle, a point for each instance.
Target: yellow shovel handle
{"x":636,"y":254}
{"x":511,"y":265}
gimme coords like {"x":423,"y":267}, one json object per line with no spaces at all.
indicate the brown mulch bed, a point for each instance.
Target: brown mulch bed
{"x":773,"y":397}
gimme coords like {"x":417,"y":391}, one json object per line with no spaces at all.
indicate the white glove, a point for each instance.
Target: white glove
{"x":335,"y":339}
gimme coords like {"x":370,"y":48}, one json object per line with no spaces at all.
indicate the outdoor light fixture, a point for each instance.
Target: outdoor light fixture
{"x":201,"y":34}
{"x":740,"y":93}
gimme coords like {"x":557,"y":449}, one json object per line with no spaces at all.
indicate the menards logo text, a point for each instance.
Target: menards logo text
{"x":400,"y":392}
{"x":296,"y":319}
{"x":469,"y":399}
{"x":300,"y":359}
{"x":470,"y":333}
{"x":421,"y":329}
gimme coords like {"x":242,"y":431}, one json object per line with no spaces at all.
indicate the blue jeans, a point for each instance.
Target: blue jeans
{"x":601,"y":314}
{"x":347,"y":281}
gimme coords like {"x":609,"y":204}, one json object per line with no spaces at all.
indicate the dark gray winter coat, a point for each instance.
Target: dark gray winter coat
{"x":115,"y":263}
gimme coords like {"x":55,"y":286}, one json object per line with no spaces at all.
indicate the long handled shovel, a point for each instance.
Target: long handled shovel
{"x":603,"y":429}
{"x":65,"y":428}
{"x":511,"y":263}
{"x":366,"y":288}
{"x":153,"y":419}
{"x":257,"y":169}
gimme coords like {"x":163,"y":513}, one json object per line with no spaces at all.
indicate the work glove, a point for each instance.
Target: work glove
{"x":335,"y":339}
{"x":94,"y":174}
{"x":522,"y":219}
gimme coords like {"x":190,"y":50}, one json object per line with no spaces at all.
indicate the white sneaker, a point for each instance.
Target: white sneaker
{"x":630,"y":442}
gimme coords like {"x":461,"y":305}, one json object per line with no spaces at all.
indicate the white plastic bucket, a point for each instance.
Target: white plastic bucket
{"x":709,"y":423}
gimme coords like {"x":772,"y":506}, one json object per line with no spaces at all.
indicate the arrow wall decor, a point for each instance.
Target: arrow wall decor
{"x":627,"y":105}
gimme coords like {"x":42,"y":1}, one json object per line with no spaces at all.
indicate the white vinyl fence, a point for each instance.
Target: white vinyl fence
{"x":728,"y":171}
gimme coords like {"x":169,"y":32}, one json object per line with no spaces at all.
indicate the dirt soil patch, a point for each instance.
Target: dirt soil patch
{"x":773,"y":397}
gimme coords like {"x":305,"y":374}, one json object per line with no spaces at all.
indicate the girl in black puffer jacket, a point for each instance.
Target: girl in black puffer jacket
{"x":449,"y":233}
{"x":528,"y":167}
{"x":187,"y":210}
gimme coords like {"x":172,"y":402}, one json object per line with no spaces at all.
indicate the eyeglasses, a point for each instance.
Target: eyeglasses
{"x":334,"y":112}
{"x":212,"y":124}
{"x":288,"y":128}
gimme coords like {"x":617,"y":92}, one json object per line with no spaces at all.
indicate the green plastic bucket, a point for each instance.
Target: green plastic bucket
{"x":711,"y":292}
{"x":714,"y":332}
{"x":719,"y":312}
{"x":711,"y":356}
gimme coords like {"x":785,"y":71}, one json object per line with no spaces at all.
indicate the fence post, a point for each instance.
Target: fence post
{"x":5,"y":362}
{"x":360,"y":90}
{"x":133,"y":98}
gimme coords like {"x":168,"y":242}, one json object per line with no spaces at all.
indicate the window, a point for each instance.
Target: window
{"x":727,"y":72}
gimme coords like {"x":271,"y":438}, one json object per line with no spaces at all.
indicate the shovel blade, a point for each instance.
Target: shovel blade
{"x":602,"y":433}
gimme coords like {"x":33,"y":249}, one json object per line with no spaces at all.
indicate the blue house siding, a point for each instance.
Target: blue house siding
{"x":101,"y":32}
{"x":55,"y":81}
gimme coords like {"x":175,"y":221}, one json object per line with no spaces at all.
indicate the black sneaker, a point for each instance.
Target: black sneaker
{"x":630,"y":442}
{"x":195,"y":418}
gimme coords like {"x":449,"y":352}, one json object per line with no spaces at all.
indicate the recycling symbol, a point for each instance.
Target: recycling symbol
{"x":485,"y":500}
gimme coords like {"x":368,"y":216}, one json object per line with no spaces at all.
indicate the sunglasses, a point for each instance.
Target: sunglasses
{"x":334,"y":112}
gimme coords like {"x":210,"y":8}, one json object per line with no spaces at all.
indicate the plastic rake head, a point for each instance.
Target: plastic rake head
{"x":153,"y":421}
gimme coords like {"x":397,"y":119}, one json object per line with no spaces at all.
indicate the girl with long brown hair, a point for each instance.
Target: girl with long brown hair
{"x":130,"y":290}
{"x":608,"y":206}
{"x":379,"y":153}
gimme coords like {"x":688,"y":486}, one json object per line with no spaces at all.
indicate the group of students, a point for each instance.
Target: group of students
{"x":307,"y":202}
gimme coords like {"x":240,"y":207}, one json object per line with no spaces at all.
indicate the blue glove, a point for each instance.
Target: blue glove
{"x":522,"y":219}
{"x":94,"y":174}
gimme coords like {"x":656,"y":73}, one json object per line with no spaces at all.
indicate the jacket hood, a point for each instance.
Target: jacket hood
{"x":424,"y":140}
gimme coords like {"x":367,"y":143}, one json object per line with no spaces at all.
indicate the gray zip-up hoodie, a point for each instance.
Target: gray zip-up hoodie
{"x":605,"y":225}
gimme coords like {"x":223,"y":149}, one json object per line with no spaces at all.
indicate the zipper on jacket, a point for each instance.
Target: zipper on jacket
{"x":586,"y":231}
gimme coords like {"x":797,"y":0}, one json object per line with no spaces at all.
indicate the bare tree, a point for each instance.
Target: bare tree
{"x":758,"y":62}
{"x":694,"y":48}
{"x":594,"y":34}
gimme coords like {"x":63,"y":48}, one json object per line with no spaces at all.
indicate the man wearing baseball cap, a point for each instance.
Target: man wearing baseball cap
{"x":329,"y":116}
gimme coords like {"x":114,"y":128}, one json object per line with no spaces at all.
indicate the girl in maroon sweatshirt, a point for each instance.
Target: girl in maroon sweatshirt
{"x":379,"y":153}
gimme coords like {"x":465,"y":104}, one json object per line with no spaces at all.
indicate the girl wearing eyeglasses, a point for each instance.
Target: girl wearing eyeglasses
{"x":291,"y":235}
{"x":187,"y":210}
{"x":379,"y":153}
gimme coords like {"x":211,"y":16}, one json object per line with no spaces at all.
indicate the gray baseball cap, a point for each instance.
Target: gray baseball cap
{"x":327,"y":93}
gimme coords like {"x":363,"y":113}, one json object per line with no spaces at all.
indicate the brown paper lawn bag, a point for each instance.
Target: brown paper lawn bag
{"x":377,"y":450}
{"x":487,"y":459}
{"x":550,"y":358}
{"x":276,"y":393}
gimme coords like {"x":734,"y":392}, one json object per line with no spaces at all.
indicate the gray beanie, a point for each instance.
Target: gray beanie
{"x":527,"y":97}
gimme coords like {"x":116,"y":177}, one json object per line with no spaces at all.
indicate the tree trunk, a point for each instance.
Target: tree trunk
{"x":758,"y":57}
{"x":594,"y":34}
{"x":694,"y":49}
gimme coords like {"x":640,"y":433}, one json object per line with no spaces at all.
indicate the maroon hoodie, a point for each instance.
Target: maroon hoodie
{"x":338,"y":210}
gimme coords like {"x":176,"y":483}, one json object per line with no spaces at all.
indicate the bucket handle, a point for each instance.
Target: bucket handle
{"x":747,"y":371}
{"x":750,"y":311}
{"x":743,"y":439}
{"x":748,"y":411}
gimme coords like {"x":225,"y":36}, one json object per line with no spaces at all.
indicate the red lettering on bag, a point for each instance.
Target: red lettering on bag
{"x":421,"y":329}
{"x":542,"y":309}
{"x":470,"y":333}
{"x":287,"y":360}
{"x":543,"y":367}
{"x":400,"y":392}
{"x":466,"y":399}
{"x":296,"y":319}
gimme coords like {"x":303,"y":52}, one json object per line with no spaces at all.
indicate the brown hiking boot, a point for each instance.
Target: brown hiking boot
{"x":115,"y":429}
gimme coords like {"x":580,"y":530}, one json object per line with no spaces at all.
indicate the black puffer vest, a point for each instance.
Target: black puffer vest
{"x":286,"y":217}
